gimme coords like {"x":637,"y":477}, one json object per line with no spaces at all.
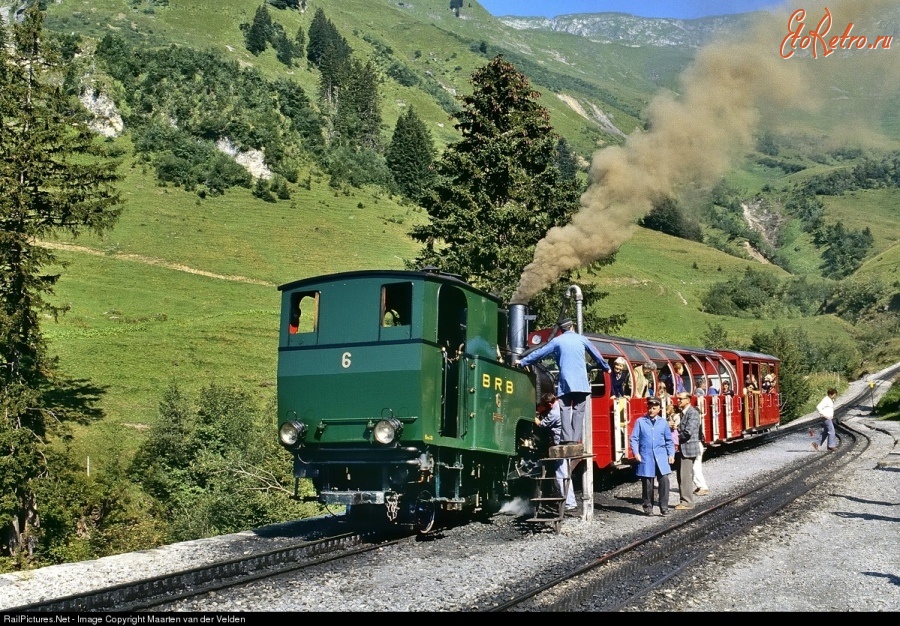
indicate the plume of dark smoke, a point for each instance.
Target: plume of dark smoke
{"x":692,"y":138}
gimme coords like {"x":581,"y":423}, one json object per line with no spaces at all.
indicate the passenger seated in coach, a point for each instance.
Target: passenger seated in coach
{"x":649,"y":368}
{"x":726,"y":388}
{"x":768,"y":385}
{"x":700,"y":387}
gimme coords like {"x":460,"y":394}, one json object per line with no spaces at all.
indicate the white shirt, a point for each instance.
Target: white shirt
{"x":826,"y":408}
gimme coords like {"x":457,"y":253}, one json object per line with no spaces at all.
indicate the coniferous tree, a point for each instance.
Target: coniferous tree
{"x":52,"y":178}
{"x":330,"y":52}
{"x":260,"y":31}
{"x":322,"y":34}
{"x":358,"y":119}
{"x":300,"y":43}
{"x":284,"y":47}
{"x":410,"y":155}
{"x":499,"y":190}
{"x":565,"y":159}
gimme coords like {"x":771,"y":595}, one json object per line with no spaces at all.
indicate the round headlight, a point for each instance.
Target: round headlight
{"x":386,"y":431}
{"x":291,"y":432}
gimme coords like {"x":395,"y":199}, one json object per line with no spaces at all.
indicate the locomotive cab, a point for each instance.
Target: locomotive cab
{"x":393,"y":395}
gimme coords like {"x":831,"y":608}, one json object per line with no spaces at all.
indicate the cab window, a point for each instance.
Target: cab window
{"x":304,"y":312}
{"x":396,"y":311}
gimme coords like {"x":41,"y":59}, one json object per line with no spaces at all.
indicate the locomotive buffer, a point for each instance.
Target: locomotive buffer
{"x":548,"y":503}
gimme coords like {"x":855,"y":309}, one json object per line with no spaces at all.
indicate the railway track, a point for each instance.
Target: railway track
{"x":153,"y":593}
{"x":618,"y":580}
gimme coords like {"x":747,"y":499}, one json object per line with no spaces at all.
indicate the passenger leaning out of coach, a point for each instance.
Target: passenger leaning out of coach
{"x":621,"y":390}
{"x":750,"y":383}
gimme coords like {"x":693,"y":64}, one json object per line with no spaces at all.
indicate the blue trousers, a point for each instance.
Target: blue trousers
{"x":572,"y":415}
{"x":828,"y":434}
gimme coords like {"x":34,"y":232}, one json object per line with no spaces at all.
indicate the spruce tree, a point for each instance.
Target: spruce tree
{"x":499,"y":190}
{"x":53,"y":178}
{"x":257,"y":36}
{"x":330,"y":52}
{"x":284,"y":47}
{"x":410,"y":155}
{"x":358,"y":120}
{"x":300,"y":43}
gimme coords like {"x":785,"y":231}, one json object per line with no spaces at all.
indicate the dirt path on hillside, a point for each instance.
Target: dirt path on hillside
{"x":139,"y":258}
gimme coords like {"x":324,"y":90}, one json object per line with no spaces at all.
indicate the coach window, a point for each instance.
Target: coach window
{"x":396,"y":310}
{"x":304,"y":312}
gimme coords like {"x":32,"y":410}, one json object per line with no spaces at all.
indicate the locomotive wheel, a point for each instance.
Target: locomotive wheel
{"x":425,"y":513}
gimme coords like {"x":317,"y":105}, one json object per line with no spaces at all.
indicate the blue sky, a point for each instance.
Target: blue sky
{"x":684,"y":9}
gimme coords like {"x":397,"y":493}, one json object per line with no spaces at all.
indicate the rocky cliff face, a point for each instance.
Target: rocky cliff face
{"x":107,"y":121}
{"x":635,"y":31}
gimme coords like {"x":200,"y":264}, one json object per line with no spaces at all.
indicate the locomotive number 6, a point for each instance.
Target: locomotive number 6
{"x":345,"y":360}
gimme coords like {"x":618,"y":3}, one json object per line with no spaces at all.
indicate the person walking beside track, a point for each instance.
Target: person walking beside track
{"x":826,"y":410}
{"x":689,"y":447}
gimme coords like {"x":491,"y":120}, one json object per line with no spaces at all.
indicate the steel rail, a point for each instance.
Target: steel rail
{"x":152,"y":592}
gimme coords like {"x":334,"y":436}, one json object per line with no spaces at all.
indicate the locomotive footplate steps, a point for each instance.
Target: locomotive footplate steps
{"x":549,"y":503}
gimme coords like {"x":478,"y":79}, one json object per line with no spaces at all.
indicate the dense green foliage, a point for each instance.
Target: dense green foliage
{"x":212,"y":465}
{"x":889,"y":406}
{"x":53,"y":178}
{"x":181,"y":85}
{"x":666,"y":217}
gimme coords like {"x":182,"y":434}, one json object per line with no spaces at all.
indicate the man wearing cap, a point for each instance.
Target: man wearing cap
{"x":573,"y":386}
{"x":654,"y":450}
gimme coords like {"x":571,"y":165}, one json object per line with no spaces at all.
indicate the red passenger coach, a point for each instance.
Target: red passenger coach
{"x":758,"y":388}
{"x":705,"y":374}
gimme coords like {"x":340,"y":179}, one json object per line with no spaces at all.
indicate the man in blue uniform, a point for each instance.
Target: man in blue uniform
{"x":573,"y":387}
{"x":654,"y":451}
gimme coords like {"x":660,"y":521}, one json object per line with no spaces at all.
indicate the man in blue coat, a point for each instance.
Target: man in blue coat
{"x":573,"y":387}
{"x":654,"y":450}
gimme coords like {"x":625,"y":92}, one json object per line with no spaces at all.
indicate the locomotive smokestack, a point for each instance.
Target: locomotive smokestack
{"x":516,"y":330}
{"x":575,"y":291}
